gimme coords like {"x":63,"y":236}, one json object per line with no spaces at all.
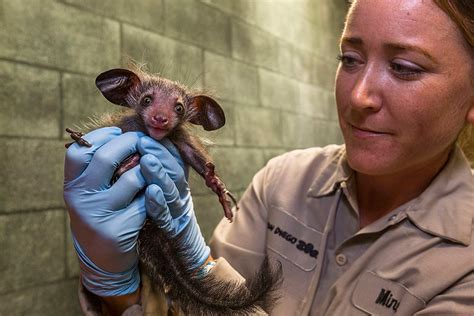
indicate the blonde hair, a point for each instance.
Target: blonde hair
{"x":461,"y":12}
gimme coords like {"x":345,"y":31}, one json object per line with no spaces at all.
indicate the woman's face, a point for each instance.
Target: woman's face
{"x":404,"y":87}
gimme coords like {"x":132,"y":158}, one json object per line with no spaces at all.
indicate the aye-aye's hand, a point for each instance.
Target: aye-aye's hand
{"x":168,"y":198}
{"x":105,"y":218}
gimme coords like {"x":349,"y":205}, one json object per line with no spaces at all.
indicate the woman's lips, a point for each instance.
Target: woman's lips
{"x":364,"y":132}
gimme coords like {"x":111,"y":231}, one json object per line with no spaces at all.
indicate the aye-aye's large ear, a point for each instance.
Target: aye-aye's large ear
{"x":209,"y":113}
{"x":115,"y":84}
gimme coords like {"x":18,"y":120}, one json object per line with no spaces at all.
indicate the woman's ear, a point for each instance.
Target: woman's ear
{"x":470,"y":115}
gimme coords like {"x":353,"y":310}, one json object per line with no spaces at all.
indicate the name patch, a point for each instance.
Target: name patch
{"x":385,"y":298}
{"x":301,"y":245}
{"x":378,"y":296}
{"x":293,"y":239}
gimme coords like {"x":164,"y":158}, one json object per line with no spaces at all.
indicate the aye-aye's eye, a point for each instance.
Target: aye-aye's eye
{"x":179,"y":108}
{"x":147,"y":100}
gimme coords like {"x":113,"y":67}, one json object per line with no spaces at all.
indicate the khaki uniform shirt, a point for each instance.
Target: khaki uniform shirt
{"x":301,"y":210}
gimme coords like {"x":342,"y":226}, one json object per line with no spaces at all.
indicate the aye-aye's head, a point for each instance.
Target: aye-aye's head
{"x":163,"y":104}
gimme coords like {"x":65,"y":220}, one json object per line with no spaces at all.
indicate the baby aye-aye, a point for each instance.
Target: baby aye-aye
{"x":163,"y":108}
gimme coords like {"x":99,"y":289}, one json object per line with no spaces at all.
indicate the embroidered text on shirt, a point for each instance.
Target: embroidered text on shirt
{"x":302,"y":245}
{"x":386,"y":299}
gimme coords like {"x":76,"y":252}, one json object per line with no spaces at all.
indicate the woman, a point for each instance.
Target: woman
{"x":382,"y":225}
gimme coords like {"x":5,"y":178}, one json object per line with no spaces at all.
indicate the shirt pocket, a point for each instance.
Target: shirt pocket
{"x":293,"y":240}
{"x":378,"y":296}
{"x":298,"y":248}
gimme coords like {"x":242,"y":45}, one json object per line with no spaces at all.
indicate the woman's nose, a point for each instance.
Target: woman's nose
{"x":366,"y":93}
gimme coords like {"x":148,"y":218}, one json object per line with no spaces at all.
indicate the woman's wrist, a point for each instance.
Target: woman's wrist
{"x":116,"y":305}
{"x":204,"y":269}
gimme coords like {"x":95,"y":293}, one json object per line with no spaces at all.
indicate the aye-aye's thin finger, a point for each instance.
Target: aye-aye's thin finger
{"x":78,"y":157}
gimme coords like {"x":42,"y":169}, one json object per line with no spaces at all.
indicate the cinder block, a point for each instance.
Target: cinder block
{"x":271,"y":153}
{"x":197,"y":184}
{"x":29,"y":101}
{"x":83,"y":102}
{"x":338,"y":11}
{"x":333,"y":46}
{"x":145,"y":13}
{"x":226,"y":134}
{"x":328,"y":132}
{"x":315,"y":102}
{"x":33,"y":249}
{"x":238,"y":165}
{"x":325,"y":73}
{"x":270,"y":16}
{"x":328,"y":47}
{"x":331,"y":103}
{"x":309,"y":9}
{"x":285,"y":58}
{"x":208,"y":213}
{"x":194,"y":22}
{"x":254,"y":46}
{"x":313,"y":69}
{"x":170,"y":58}
{"x":48,"y":299}
{"x":44,"y":33}
{"x":31,"y":173}
{"x":277,"y":91}
{"x":306,"y":34}
{"x":231,"y":80}
{"x":298,"y":130}
{"x":322,"y":15}
{"x":258,"y":127}
{"x":304,"y":65}
{"x":242,"y":9}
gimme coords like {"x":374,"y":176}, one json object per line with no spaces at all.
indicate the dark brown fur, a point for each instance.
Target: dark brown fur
{"x":162,"y":256}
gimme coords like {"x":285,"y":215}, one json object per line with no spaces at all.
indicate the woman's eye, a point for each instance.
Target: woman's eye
{"x":348,"y":61}
{"x":405,"y":72}
{"x":147,"y":100}
{"x":179,"y":108}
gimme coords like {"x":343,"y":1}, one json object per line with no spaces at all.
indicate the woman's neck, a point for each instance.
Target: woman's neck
{"x":379,"y":195}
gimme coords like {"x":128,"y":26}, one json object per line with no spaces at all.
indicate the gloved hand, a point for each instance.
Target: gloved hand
{"x":168,"y":198}
{"x":105,"y":219}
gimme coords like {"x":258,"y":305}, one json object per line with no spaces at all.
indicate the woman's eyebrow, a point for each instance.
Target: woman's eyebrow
{"x":352,"y":40}
{"x":357,"y":41}
{"x":408,"y":47}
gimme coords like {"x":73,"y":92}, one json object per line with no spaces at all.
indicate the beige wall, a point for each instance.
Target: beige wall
{"x":271,"y":63}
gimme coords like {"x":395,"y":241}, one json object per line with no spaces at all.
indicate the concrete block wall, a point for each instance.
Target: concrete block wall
{"x":271,"y":64}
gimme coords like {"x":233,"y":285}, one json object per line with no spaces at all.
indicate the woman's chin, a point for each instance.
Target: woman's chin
{"x":371,"y":163}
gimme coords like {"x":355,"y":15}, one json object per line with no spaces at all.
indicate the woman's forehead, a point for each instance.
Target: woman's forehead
{"x":412,"y":22}
{"x":403,"y":18}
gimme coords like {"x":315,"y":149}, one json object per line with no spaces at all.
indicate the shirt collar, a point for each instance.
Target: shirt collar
{"x":446,"y":207}
{"x":336,"y":171}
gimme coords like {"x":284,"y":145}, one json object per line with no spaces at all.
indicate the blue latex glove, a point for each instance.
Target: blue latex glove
{"x":168,"y":198}
{"x":105,"y":219}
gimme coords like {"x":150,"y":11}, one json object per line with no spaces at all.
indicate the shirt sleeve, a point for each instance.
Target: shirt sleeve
{"x":243,"y":242}
{"x":458,"y":299}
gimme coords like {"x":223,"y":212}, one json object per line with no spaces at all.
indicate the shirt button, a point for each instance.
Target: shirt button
{"x":341,"y":259}
{"x":392,"y":218}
